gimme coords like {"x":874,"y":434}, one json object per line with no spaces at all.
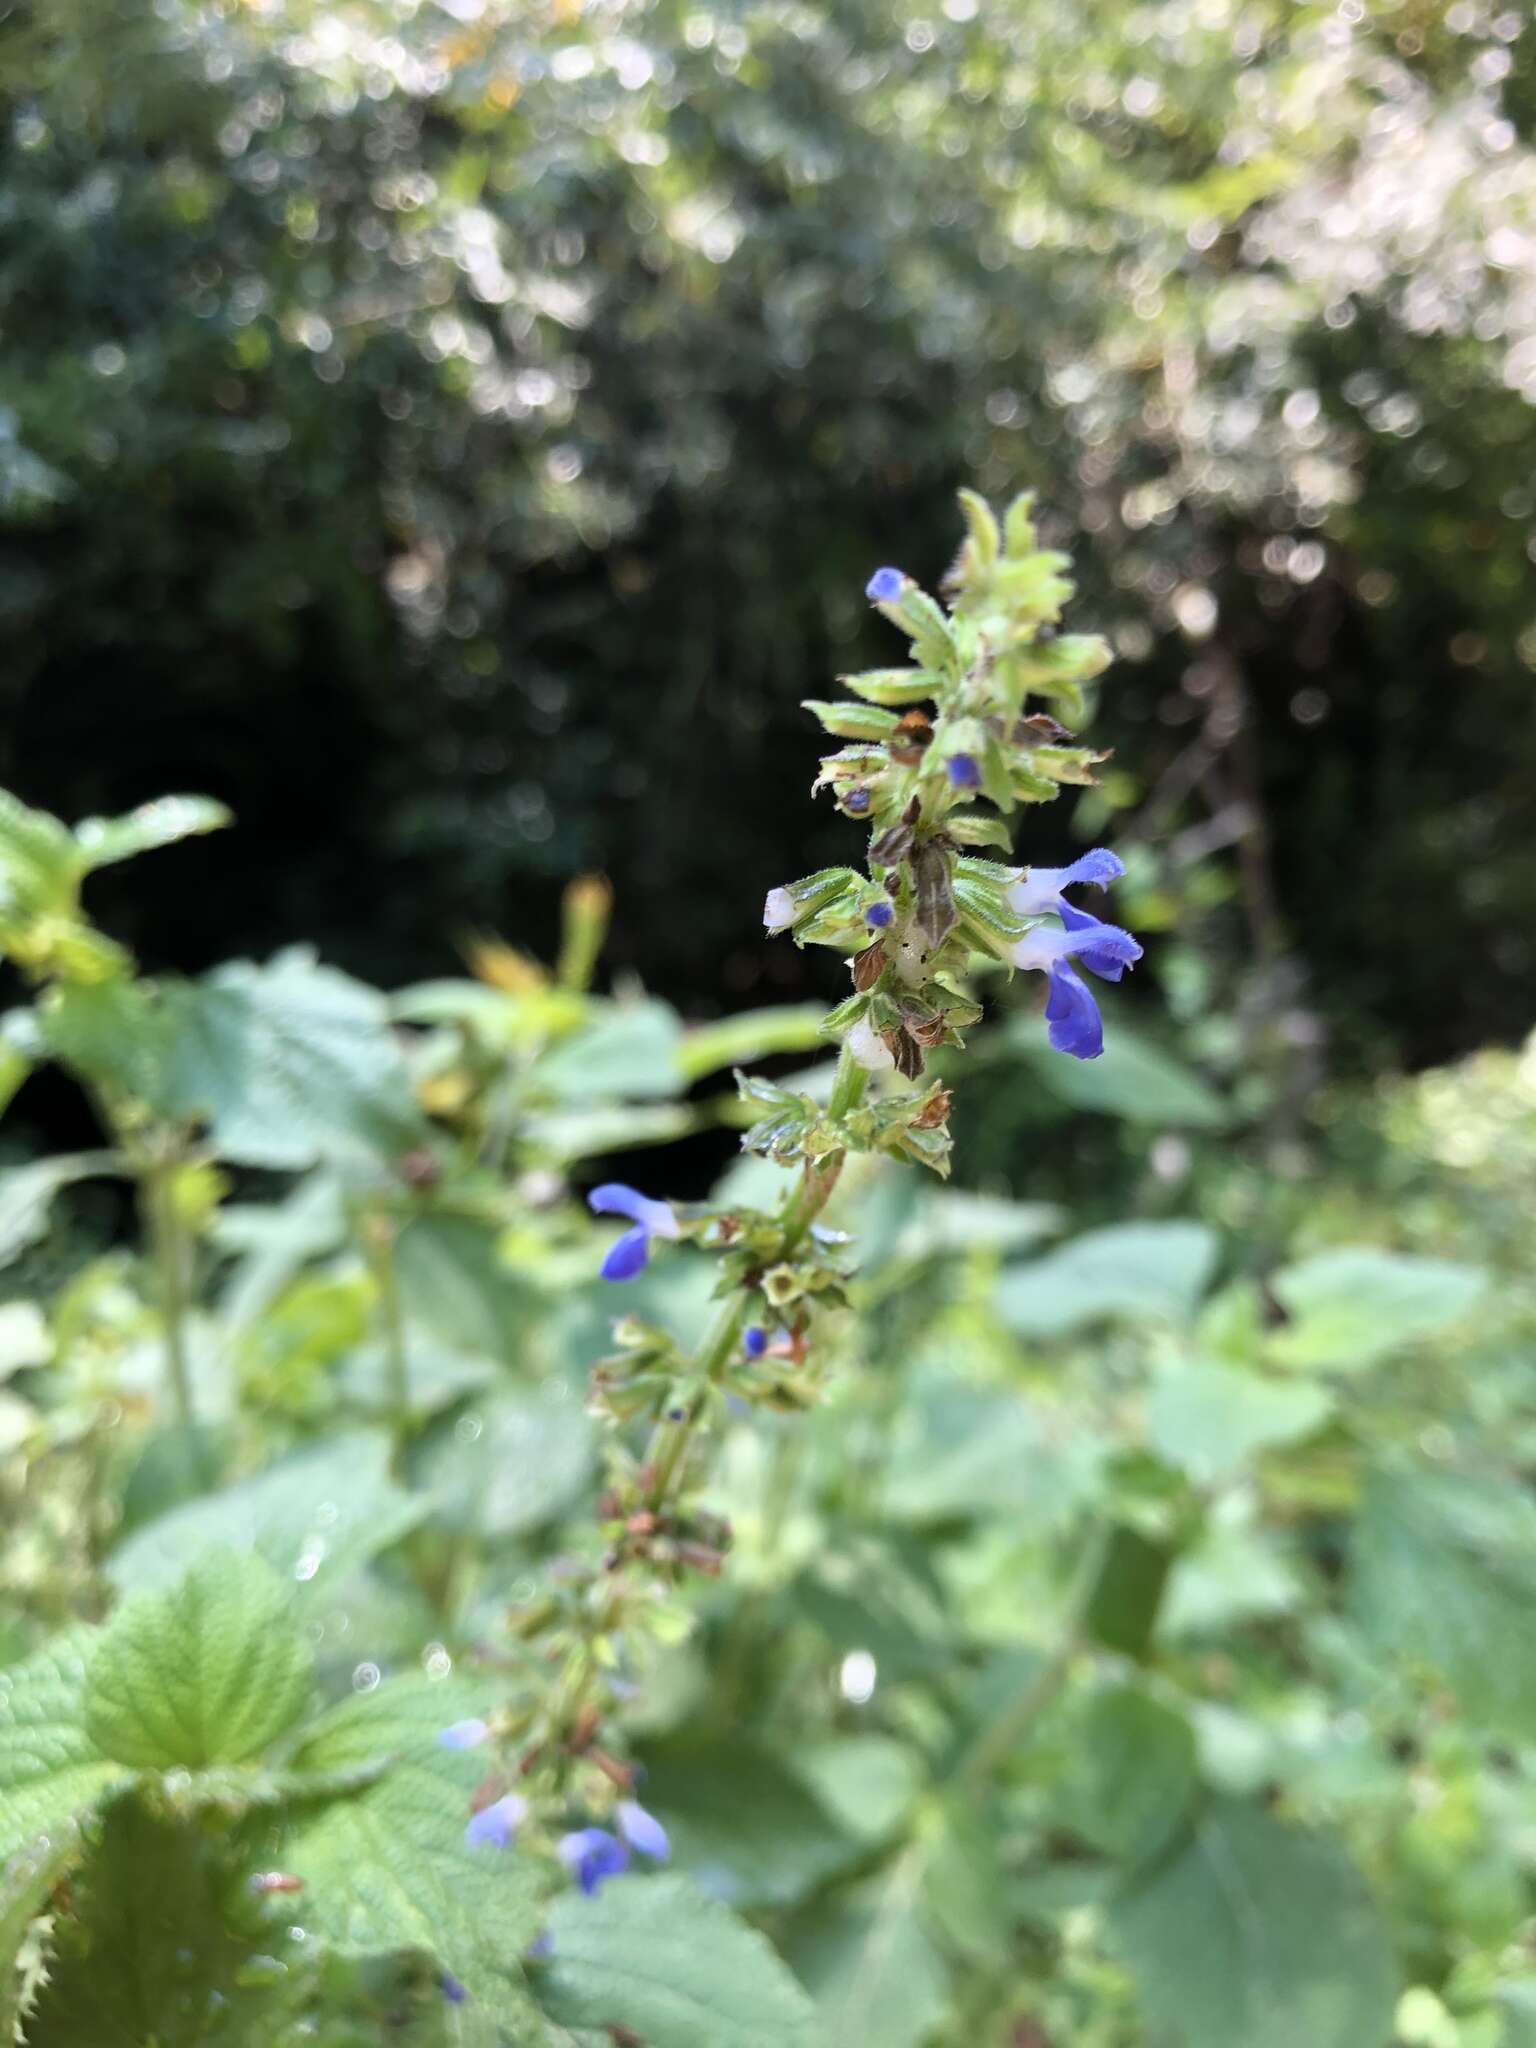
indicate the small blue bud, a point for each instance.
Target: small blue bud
{"x":879,"y":915}
{"x":856,"y":802}
{"x":755,"y":1342}
{"x":885,"y":586}
{"x":497,"y":1823}
{"x":453,"y":1990}
{"x":964,"y":772}
{"x":643,"y":1831}
{"x":464,"y":1734}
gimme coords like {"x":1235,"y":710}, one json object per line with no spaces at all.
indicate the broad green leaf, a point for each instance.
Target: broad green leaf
{"x":112,"y":1032}
{"x":565,"y":1135}
{"x":631,"y":1049}
{"x":316,"y":1517}
{"x":1131,"y":1078}
{"x":871,"y":1966}
{"x":1252,"y":1933}
{"x":1210,"y":1420}
{"x":867,"y":1783}
{"x":1152,"y":1270}
{"x":103,"y":841}
{"x":27,"y":1193}
{"x":508,"y":1465}
{"x":39,"y":861}
{"x":742,"y":1824}
{"x":749,"y":1036}
{"x":51,"y":1771}
{"x":165,"y":1943}
{"x":1131,"y":1772}
{"x":1444,"y":1574}
{"x":400,"y":1719}
{"x":390,"y":1870}
{"x":288,"y":1063}
{"x":453,"y":1282}
{"x":963,"y":1451}
{"x":677,"y":1968}
{"x":1236,"y":1573}
{"x":208,"y":1671}
{"x":1353,"y":1306}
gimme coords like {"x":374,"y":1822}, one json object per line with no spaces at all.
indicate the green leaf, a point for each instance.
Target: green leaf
{"x":316,"y":1517}
{"x":1210,"y":1420}
{"x":113,"y":1032}
{"x":742,"y":1824}
{"x":104,"y":841}
{"x":750,"y":1035}
{"x":1253,"y":1933}
{"x":871,"y":1966}
{"x":27,"y":1193}
{"x":209,"y":1671}
{"x":1444,"y":1573}
{"x":453,"y":1282}
{"x":521,"y":1461}
{"x":678,"y":1969}
{"x":288,"y":1063}
{"x":400,"y":1719}
{"x":165,"y":1944}
{"x":39,"y":862}
{"x":959,"y":1451}
{"x":1131,"y":1778}
{"x":1132,"y":1078}
{"x":631,"y":1049}
{"x":51,"y":1771}
{"x":1131,"y":1269}
{"x":390,"y":1870}
{"x":1353,"y":1306}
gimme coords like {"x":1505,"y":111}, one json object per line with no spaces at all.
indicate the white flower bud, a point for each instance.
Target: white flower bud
{"x":868,"y":1048}
{"x":778,"y":910}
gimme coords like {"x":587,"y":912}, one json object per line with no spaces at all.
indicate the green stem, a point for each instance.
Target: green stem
{"x":1018,"y":1714}
{"x":168,"y":1249}
{"x":379,"y":1237}
{"x":848,"y":1085}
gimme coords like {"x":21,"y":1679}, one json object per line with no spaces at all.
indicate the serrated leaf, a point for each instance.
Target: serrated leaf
{"x":51,"y":1771}
{"x":1131,"y":1776}
{"x":528,"y":1459}
{"x":165,"y":1943}
{"x":959,"y":1452}
{"x":288,"y":1063}
{"x":401,"y":1719}
{"x":742,"y":1825}
{"x":629,"y":1049}
{"x":38,"y":859}
{"x":1210,"y":1420}
{"x":871,"y":1966}
{"x":1352,"y":1306}
{"x":1129,"y":1269}
{"x":104,"y":841}
{"x":315,"y":1517}
{"x":390,"y":1870}
{"x":1254,"y":1933}
{"x":453,"y":1282}
{"x":675,"y":1967}
{"x":209,"y":1671}
{"x":1444,"y":1574}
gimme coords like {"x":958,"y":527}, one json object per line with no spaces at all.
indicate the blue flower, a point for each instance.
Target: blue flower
{"x":1039,"y":889}
{"x":964,"y":771}
{"x":452,"y":1989}
{"x":1070,"y":1010}
{"x":643,"y":1831}
{"x":755,"y":1342}
{"x":497,"y":1823}
{"x":856,"y":802}
{"x":627,"y":1254}
{"x":592,"y":1855}
{"x":879,"y":915}
{"x":885,"y":586}
{"x":464,"y":1734}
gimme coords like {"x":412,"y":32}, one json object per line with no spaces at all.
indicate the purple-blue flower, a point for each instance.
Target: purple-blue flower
{"x":885,"y":586}
{"x":755,"y":1342}
{"x":964,"y":771}
{"x":879,"y":915}
{"x":856,"y":802}
{"x":497,"y":1823}
{"x":464,"y":1734}
{"x":643,"y":1831}
{"x":1039,"y":889}
{"x":452,"y":1989}
{"x":592,"y":1855}
{"x":627,"y":1254}
{"x":1070,"y":1010}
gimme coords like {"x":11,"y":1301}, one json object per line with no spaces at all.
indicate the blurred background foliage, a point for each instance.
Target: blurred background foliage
{"x":456,"y":436}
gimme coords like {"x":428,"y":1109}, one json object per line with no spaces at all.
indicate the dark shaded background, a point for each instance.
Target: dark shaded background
{"x":459,"y":439}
